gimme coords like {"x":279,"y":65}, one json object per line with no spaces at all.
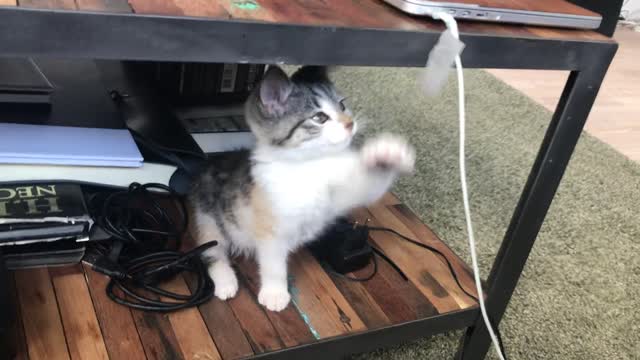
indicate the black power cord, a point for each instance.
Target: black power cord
{"x":432,"y":249}
{"x":147,"y":271}
{"x":144,"y":250}
{"x":373,"y":273}
{"x":424,"y":246}
{"x":453,"y":274}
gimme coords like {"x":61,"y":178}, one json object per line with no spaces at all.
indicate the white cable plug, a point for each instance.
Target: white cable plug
{"x":451,"y":24}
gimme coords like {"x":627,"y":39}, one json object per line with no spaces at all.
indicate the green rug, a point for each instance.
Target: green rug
{"x":578,"y":296}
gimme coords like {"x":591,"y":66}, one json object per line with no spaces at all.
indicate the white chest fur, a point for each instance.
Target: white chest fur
{"x":301,"y":193}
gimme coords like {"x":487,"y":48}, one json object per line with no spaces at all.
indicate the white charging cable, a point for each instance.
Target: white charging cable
{"x":453,"y":28}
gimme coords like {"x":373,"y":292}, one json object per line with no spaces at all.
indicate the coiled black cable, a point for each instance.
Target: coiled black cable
{"x":144,"y":251}
{"x":146,"y":272}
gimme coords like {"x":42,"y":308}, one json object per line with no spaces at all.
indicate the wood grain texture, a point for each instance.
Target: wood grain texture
{"x":84,"y":338}
{"x":40,"y":316}
{"x":389,"y":199}
{"x":323,"y":305}
{"x":428,"y":237}
{"x":256,"y":324}
{"x":349,"y":13}
{"x":318,"y":300}
{"x":157,"y":336}
{"x":223,"y":326}
{"x":49,"y":4}
{"x":262,"y":12}
{"x":288,"y":323}
{"x":17,"y":342}
{"x":338,"y":13}
{"x":116,"y":322}
{"x":400,"y":299}
{"x":361,"y":300}
{"x":189,"y":328}
{"x":115,"y":6}
{"x":198,"y":8}
{"x":429,"y":274}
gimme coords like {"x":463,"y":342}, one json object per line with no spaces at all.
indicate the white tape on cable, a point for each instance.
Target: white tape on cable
{"x":440,"y":62}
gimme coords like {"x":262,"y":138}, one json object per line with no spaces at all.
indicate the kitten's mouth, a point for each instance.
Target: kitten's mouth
{"x":349,"y":132}
{"x":350,"y":127}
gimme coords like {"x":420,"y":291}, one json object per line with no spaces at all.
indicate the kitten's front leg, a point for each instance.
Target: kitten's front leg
{"x":272,"y":264}
{"x":371,"y":172}
{"x":388,"y":154}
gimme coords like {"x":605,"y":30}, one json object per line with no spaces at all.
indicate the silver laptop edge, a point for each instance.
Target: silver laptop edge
{"x":490,"y":14}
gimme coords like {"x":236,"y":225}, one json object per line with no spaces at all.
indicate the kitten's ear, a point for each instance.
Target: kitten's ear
{"x":275,"y":88}
{"x":311,"y":74}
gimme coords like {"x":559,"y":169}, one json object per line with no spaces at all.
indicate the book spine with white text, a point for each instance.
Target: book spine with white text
{"x":42,"y":212}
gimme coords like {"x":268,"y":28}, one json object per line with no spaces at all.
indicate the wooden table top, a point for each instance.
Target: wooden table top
{"x":334,"y":13}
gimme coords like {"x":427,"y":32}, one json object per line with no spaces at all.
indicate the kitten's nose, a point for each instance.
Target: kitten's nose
{"x":346,"y":121}
{"x":348,"y":125}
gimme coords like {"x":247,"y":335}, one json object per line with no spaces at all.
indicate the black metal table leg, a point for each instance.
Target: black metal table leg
{"x":553,"y":157}
{"x":7,"y":312}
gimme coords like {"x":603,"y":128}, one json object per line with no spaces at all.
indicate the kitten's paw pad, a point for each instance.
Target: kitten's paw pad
{"x":274,"y":299}
{"x":224,"y":280}
{"x":389,"y":152}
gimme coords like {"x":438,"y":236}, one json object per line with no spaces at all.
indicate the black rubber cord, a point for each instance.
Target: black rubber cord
{"x":144,"y":251}
{"x":451,"y":270}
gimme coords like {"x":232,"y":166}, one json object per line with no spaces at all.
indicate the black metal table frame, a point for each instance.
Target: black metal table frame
{"x":161,"y":38}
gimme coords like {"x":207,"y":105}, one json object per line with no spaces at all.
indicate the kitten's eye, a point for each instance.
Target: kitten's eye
{"x":343,"y":107}
{"x":320,"y":118}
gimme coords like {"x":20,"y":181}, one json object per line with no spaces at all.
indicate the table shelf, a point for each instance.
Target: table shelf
{"x":364,"y":32}
{"x":66,"y":309}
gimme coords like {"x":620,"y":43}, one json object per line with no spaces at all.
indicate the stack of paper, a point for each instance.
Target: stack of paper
{"x":217,"y":129}
{"x":106,"y":176}
{"x":62,"y":145}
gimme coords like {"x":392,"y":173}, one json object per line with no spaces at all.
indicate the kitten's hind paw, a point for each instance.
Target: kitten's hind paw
{"x":274,"y":298}
{"x":389,"y":152}
{"x":224,"y":280}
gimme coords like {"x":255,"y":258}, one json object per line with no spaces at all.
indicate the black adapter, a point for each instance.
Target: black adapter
{"x":343,"y":246}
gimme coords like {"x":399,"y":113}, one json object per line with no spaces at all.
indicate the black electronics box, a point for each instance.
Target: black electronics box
{"x":22,"y":81}
{"x":344,"y":247}
{"x":207,"y":83}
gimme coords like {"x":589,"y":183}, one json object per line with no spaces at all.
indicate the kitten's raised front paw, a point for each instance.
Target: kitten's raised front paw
{"x":389,"y":152}
{"x":274,"y":298}
{"x":224,"y":280}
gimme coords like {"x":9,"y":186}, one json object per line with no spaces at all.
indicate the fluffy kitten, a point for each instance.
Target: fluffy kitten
{"x":301,"y":176}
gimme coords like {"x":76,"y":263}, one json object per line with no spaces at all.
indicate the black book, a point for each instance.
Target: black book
{"x":38,"y":212}
{"x":80,"y":98}
{"x":22,"y":81}
{"x":63,"y":252}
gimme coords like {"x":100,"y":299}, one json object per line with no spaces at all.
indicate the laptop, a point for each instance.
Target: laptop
{"x":557,"y":13}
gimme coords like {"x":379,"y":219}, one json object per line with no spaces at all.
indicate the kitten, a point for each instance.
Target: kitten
{"x":300,"y":177}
